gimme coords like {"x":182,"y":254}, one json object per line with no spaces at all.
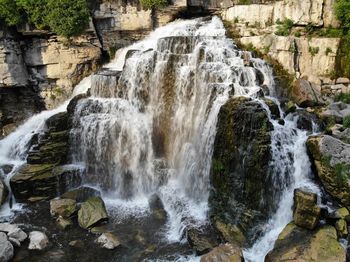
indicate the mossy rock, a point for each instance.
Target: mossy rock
{"x":92,"y":212}
{"x":297,"y":244}
{"x":240,"y":165}
{"x":230,"y":233}
{"x":306,"y":211}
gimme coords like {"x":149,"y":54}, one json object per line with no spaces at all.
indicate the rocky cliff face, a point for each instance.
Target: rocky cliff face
{"x":303,"y":54}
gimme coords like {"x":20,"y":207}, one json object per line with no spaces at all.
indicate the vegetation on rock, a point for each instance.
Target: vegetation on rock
{"x":66,"y":17}
{"x":154,"y":3}
{"x":283,"y":28}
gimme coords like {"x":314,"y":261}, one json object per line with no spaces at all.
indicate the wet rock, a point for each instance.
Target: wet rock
{"x":40,"y":181}
{"x":307,"y":121}
{"x":3,"y":192}
{"x":340,"y":213}
{"x":92,"y":212}
{"x":63,"y":207}
{"x":76,"y":243}
{"x":305,"y":94}
{"x":73,"y":103}
{"x":224,"y":253}
{"x":202,"y":243}
{"x":240,"y":165}
{"x":6,"y":169}
{"x":14,"y":242}
{"x":275,"y":111}
{"x":331,"y":158}
{"x":108,"y":241}
{"x":230,"y":233}
{"x":81,"y":194}
{"x":342,"y":228}
{"x":6,"y":248}
{"x":157,"y":207}
{"x":289,"y":107}
{"x":306,"y":211}
{"x":38,"y":240}
{"x":64,"y":223}
{"x":297,"y":244}
{"x":17,"y":234}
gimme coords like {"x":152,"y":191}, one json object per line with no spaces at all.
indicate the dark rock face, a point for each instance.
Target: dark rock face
{"x":307,"y":121}
{"x":202,"y":241}
{"x":240,"y":167}
{"x":45,"y":176}
{"x":17,"y":104}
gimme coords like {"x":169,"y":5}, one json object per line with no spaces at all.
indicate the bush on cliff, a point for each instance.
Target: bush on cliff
{"x":154,"y":3}
{"x":9,"y":12}
{"x":65,"y":17}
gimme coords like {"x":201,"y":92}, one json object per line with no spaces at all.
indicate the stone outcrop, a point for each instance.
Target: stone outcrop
{"x":62,"y":207}
{"x":298,"y":244}
{"x":240,"y":164}
{"x":306,"y":211}
{"x":38,"y":240}
{"x":108,"y":241}
{"x":298,"y":52}
{"x":45,"y":176}
{"x":331,"y":158}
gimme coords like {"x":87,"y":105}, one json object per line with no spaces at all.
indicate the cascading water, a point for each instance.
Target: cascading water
{"x":150,"y":124}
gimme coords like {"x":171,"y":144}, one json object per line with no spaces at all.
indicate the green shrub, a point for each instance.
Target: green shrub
{"x":283,"y":29}
{"x":343,"y":97}
{"x":154,"y":3}
{"x":35,"y":10}
{"x":10,"y":13}
{"x":328,"y":51}
{"x":342,"y":10}
{"x":346,"y":122}
{"x":313,"y":50}
{"x":67,"y":17}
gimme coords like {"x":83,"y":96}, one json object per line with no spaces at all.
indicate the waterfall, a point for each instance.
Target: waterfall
{"x":150,"y":124}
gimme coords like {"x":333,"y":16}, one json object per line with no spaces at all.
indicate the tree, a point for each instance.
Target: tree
{"x":342,"y":10}
{"x":36,"y":11}
{"x":10,"y":13}
{"x":67,"y":17}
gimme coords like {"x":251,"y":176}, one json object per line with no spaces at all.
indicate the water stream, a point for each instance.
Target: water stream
{"x":150,"y":125}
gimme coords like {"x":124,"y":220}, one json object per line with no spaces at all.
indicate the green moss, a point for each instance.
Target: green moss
{"x":328,"y":51}
{"x":313,"y":50}
{"x":154,"y":3}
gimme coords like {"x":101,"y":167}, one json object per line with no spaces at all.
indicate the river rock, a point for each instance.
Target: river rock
{"x":307,"y":121}
{"x":342,"y":228}
{"x":62,"y":207}
{"x":6,"y":248}
{"x":230,"y":233}
{"x":17,"y":234}
{"x":297,"y":244}
{"x":305,"y":94}
{"x":306,"y":211}
{"x":332,"y":161}
{"x":240,"y":164}
{"x":108,"y":241}
{"x":38,"y":240}
{"x":340,"y":213}
{"x":201,"y":242}
{"x":157,"y":207}
{"x":81,"y":194}
{"x":64,"y":223}
{"x":224,"y":253}
{"x":14,"y":242}
{"x":3,"y":192}
{"x":92,"y":212}
{"x":336,"y":112}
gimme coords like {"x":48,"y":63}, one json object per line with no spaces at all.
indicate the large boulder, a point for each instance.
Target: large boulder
{"x":306,"y":211}
{"x":331,"y":158}
{"x":336,"y":112}
{"x":240,"y":165}
{"x":6,"y":248}
{"x":305,"y":94}
{"x":63,"y":207}
{"x":92,"y":212}
{"x":224,"y":253}
{"x":297,"y":244}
